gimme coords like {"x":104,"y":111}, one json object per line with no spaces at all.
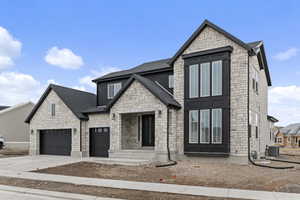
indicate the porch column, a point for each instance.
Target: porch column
{"x":34,"y":147}
{"x":116,"y":131}
{"x":161,"y":135}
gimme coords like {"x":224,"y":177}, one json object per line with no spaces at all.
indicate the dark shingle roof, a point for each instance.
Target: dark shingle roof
{"x":153,"y":87}
{"x":145,"y":67}
{"x":3,"y":107}
{"x":76,"y":100}
{"x":252,"y":47}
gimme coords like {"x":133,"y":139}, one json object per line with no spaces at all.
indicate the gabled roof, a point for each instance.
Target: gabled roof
{"x":75,"y":100}
{"x":8,"y":109}
{"x":143,"y":68}
{"x":3,"y":107}
{"x":199,"y":30}
{"x":153,"y":87}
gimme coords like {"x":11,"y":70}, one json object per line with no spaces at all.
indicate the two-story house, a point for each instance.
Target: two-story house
{"x":208,"y":99}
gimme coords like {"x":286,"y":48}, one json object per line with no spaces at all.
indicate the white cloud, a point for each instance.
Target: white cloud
{"x":10,"y":48}
{"x":87,"y":80}
{"x":63,"y":58}
{"x":284,"y":103}
{"x":82,"y":88}
{"x":286,"y":55}
{"x":17,"y":87}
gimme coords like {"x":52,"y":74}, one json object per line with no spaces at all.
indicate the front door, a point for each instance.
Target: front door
{"x":99,"y":141}
{"x":148,"y":130}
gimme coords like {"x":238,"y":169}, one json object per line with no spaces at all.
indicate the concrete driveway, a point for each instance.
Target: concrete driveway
{"x":29,"y":163}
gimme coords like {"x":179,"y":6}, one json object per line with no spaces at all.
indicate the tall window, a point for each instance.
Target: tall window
{"x":194,"y":80}
{"x":216,"y":126}
{"x":171,"y":81}
{"x":217,"y":78}
{"x":204,"y":126}
{"x":193,"y":126}
{"x":255,"y":80}
{"x":205,"y":80}
{"x":113,"y":89}
{"x":207,"y":129}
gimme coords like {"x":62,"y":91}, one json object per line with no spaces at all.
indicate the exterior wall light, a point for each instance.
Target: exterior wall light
{"x":74,"y":131}
{"x":113,"y":116}
{"x":159,"y":113}
{"x":31,"y":131}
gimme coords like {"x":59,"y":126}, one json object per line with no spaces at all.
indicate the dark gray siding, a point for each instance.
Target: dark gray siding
{"x":161,"y":77}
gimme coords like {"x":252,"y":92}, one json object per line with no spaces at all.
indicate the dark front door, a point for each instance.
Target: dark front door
{"x":99,"y":141}
{"x":148,"y":130}
{"x":55,"y":141}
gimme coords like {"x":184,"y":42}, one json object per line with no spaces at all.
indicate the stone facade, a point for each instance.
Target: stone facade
{"x":137,"y":99}
{"x":258,"y":105}
{"x":209,"y":39}
{"x":63,"y":119}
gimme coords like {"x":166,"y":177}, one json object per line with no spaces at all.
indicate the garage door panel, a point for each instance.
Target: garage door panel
{"x":55,"y":142}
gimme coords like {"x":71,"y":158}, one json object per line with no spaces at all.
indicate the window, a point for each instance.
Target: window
{"x":204,"y":126}
{"x":216,"y":126}
{"x":52,"y":109}
{"x":255,"y":80}
{"x":194,"y":80}
{"x":113,"y":89}
{"x":205,"y":79}
{"x":217,"y":78}
{"x":193,"y":126}
{"x":171,"y":81}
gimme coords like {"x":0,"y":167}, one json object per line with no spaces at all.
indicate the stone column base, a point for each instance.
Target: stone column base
{"x":76,"y":154}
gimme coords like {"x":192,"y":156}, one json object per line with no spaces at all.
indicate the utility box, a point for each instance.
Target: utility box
{"x":273,"y":151}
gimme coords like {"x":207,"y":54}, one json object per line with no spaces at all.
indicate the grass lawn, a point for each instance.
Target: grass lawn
{"x":192,"y":173}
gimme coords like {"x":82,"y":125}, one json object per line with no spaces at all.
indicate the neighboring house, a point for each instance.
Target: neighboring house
{"x":289,"y":136}
{"x":13,"y":128}
{"x":3,"y":107}
{"x":273,"y":130}
{"x":203,"y":101}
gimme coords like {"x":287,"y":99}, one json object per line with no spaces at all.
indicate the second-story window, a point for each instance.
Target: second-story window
{"x":205,"y":79}
{"x":113,"y":89}
{"x":194,"y":80}
{"x":171,"y":81}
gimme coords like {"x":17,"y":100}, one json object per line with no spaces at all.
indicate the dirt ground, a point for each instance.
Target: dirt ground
{"x":193,"y":173}
{"x":100,"y":191}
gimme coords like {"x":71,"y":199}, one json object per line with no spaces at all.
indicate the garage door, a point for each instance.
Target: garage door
{"x":99,"y":141}
{"x":55,"y":142}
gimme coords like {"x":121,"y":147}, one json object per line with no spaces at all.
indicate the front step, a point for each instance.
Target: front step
{"x":134,"y":154}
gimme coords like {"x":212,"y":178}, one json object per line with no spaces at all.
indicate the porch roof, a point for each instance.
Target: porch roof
{"x":157,"y":90}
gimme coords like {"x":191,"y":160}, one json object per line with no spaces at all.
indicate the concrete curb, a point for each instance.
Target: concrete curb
{"x":51,"y":194}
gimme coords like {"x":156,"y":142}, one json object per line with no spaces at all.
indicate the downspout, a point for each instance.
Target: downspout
{"x":249,"y":133}
{"x":80,"y":135}
{"x":170,"y":161}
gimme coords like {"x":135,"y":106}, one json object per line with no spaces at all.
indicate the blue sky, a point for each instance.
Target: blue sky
{"x":103,"y":36}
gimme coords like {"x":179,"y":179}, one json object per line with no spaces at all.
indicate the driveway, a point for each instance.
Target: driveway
{"x":30,"y":163}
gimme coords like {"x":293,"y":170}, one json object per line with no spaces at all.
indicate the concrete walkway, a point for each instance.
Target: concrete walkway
{"x":155,"y":187}
{"x":17,"y":193}
{"x":30,"y":163}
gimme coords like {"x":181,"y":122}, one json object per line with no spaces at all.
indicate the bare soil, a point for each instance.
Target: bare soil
{"x":100,"y":191}
{"x":192,"y":173}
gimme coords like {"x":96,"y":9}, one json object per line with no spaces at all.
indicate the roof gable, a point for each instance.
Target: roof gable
{"x":75,"y":100}
{"x":198,"y":31}
{"x":154,"y":88}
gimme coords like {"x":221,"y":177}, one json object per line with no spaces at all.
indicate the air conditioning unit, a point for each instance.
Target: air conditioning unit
{"x":273,"y":151}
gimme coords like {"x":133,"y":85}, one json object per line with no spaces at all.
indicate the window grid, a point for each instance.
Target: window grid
{"x":194,"y":80}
